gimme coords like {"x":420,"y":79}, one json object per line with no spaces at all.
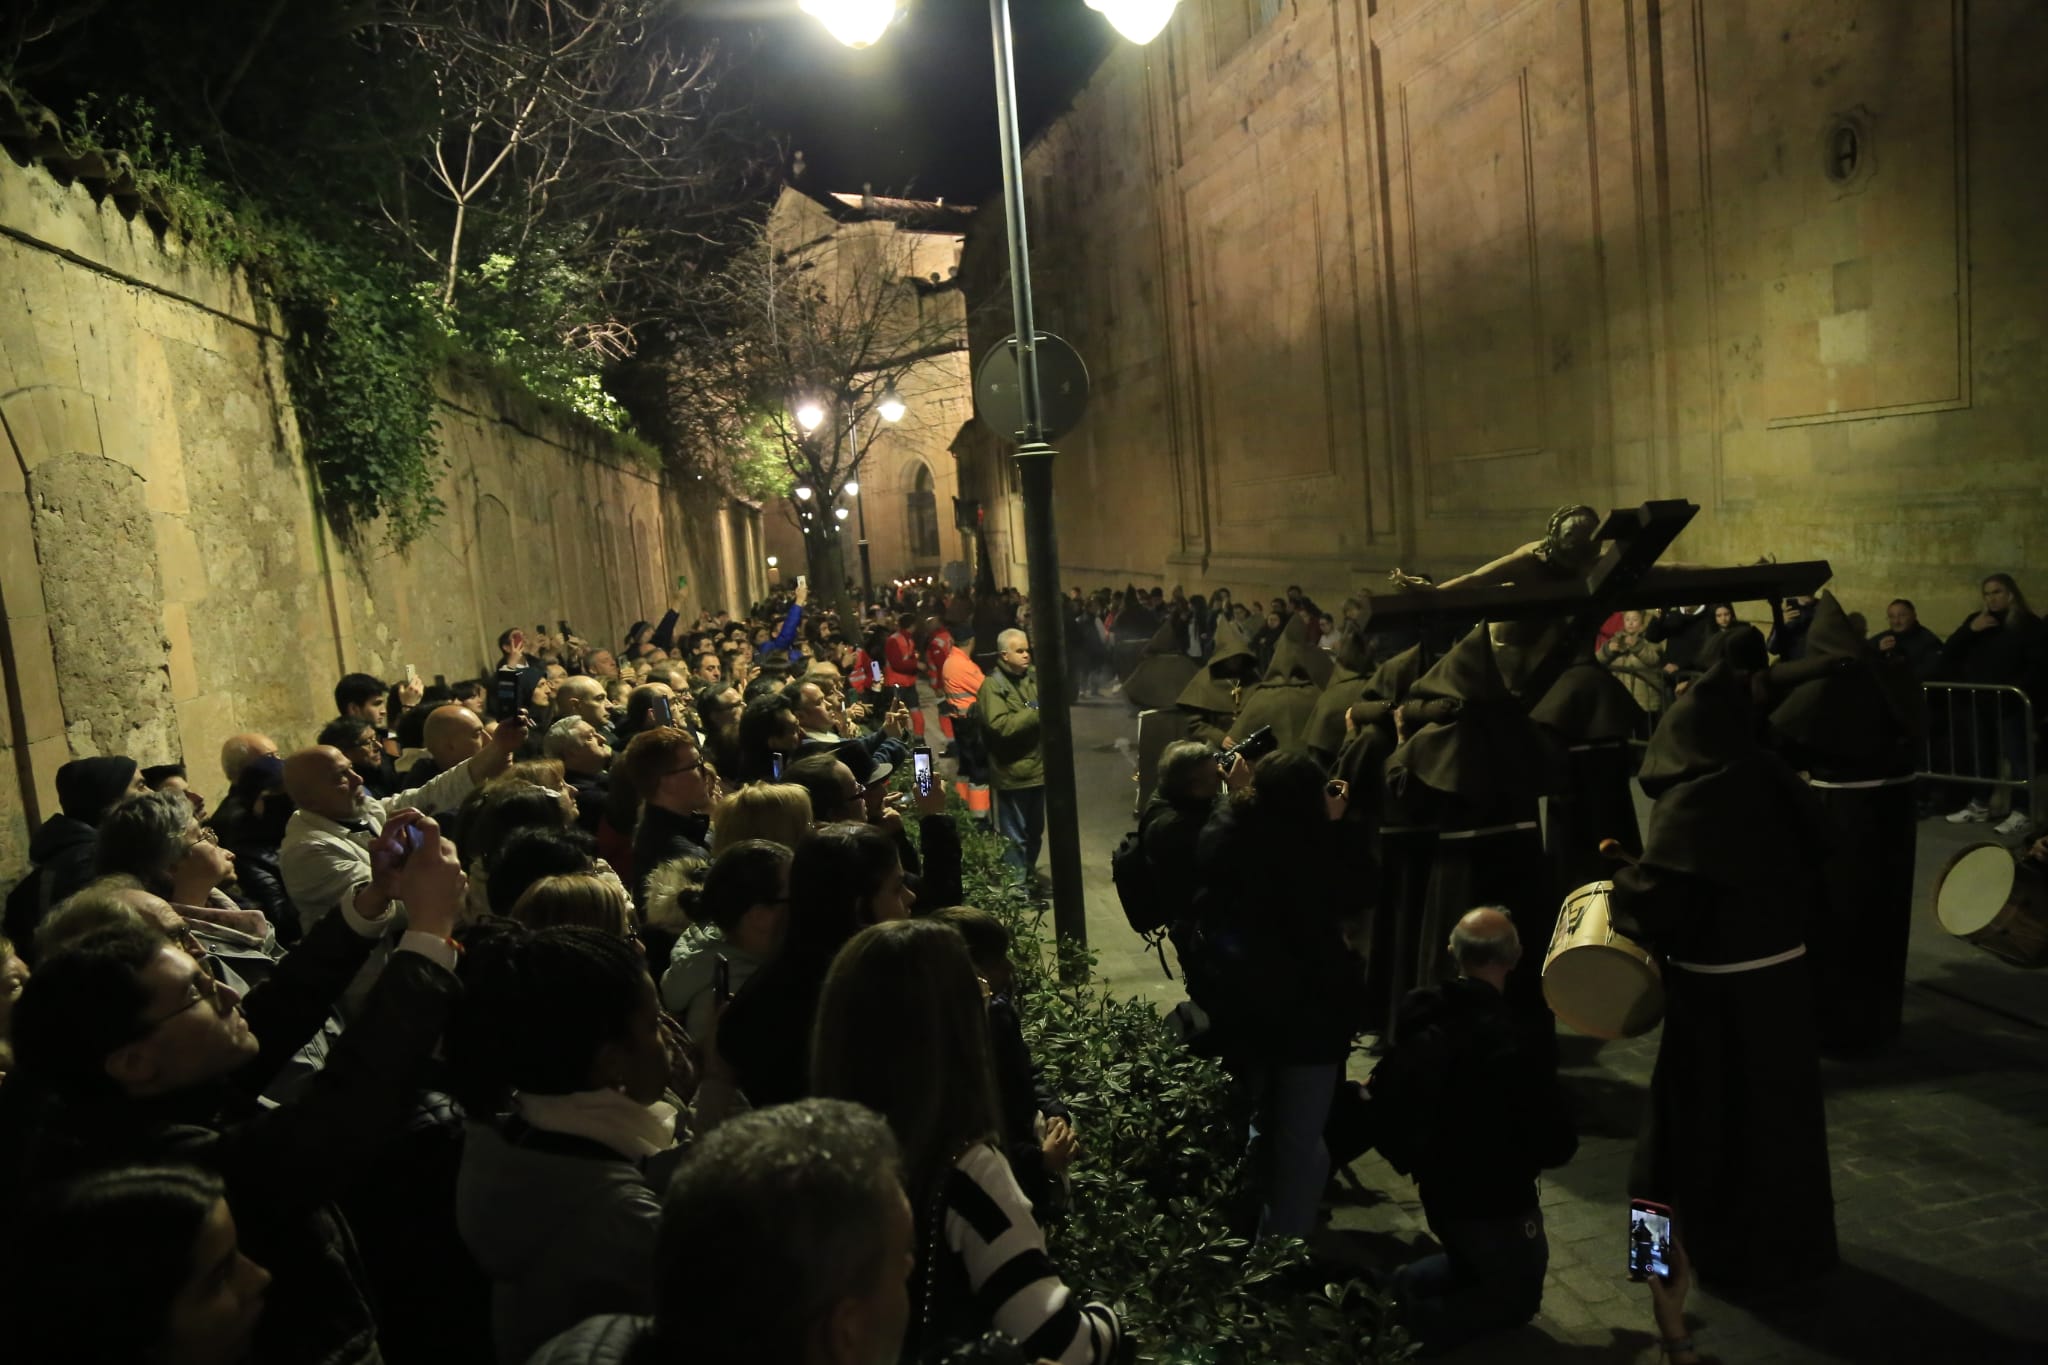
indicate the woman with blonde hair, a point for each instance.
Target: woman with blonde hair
{"x":576,"y":898}
{"x":779,"y":812}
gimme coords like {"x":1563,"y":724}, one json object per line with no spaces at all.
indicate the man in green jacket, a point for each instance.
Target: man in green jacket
{"x":1008,"y":706}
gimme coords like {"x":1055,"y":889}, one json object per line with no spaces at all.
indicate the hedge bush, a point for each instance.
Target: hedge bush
{"x":1149,"y":1229}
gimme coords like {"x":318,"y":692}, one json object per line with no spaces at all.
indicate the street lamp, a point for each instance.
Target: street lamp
{"x":891,"y":409}
{"x":809,"y":413}
{"x":857,"y":23}
{"x":1140,"y":21}
{"x":803,"y":492}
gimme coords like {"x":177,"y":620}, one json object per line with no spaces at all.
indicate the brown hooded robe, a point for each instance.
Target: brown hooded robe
{"x":1736,"y":1137}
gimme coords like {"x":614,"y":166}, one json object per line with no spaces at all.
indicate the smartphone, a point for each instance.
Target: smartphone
{"x":566,"y":632}
{"x":875,"y":671}
{"x":721,"y":980}
{"x":1649,"y":1240}
{"x":440,"y":680}
{"x":505,"y":698}
{"x":803,"y":582}
{"x":775,"y":766}
{"x":409,"y":840}
{"x":682,"y":580}
{"x":412,"y":675}
{"x":921,"y":765}
{"x":664,"y":713}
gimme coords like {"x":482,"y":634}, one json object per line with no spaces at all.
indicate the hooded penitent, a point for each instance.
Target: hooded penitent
{"x":1164,"y":670}
{"x":1592,"y":715}
{"x":1728,"y":877}
{"x":1474,"y":740}
{"x":1325,"y":733}
{"x":1212,"y":696}
{"x":1286,"y":696}
{"x":1849,"y":724}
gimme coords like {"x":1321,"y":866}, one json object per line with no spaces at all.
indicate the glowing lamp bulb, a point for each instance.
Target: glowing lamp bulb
{"x":852,"y":488}
{"x":1138,"y":20}
{"x":839,"y":512}
{"x":857,"y":23}
{"x":891,"y":407}
{"x":809,"y":414}
{"x":803,"y":492}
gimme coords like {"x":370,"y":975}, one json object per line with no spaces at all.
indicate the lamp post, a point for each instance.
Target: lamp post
{"x":859,"y":23}
{"x":889,"y":408}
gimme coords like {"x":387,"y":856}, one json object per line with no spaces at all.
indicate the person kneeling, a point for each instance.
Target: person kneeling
{"x":1470,"y":1108}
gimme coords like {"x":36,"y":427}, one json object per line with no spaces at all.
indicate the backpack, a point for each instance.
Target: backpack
{"x":1131,"y":872}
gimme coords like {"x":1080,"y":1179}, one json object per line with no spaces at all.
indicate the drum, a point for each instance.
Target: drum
{"x":1988,"y":897}
{"x":1600,"y":982}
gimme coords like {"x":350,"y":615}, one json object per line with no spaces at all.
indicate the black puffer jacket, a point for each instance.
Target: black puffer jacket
{"x":61,"y":855}
{"x":1275,"y":973}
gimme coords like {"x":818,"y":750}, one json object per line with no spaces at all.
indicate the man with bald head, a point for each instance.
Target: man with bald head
{"x":231,"y":814}
{"x":585,"y":699}
{"x":452,"y":735}
{"x":326,"y":852}
{"x":1467,"y":1102}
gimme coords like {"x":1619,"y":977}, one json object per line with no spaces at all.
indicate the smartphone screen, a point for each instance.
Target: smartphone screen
{"x":663,"y":712}
{"x":721,"y":980}
{"x":775,"y":766}
{"x":875,"y":669}
{"x":921,"y":765}
{"x":1649,"y":1240}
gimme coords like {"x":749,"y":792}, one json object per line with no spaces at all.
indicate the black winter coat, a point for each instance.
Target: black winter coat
{"x":1282,"y":986}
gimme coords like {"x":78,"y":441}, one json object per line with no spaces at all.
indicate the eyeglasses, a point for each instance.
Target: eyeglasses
{"x":684,"y":768}
{"x":204,"y":990}
{"x":202,"y":834}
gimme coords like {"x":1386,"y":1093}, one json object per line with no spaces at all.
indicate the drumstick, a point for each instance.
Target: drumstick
{"x":1612,"y":850}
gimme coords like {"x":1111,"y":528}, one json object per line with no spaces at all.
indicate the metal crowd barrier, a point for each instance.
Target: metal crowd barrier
{"x":1979,"y":713}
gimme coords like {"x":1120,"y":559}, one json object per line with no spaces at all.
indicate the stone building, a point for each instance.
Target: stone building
{"x":907,"y":483}
{"x":1375,"y":282}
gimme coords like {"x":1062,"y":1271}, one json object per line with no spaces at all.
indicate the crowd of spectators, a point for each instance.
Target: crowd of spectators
{"x":613,"y":1005}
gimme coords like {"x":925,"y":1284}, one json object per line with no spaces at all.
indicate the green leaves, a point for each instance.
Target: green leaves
{"x":1150,"y":1228}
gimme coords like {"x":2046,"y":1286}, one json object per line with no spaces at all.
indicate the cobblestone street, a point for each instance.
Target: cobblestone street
{"x":1939,"y":1147}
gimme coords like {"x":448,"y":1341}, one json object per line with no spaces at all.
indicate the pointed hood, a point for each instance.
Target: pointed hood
{"x":1215,"y":687}
{"x":1346,"y":686}
{"x":1836,"y":712}
{"x":1162,"y":672}
{"x":1477,"y":743}
{"x":1704,"y":731}
{"x":1291,"y":654}
{"x":1720,"y":794}
{"x":1587,"y":704}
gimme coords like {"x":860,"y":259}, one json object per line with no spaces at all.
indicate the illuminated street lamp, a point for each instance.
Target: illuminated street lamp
{"x":891,"y":407}
{"x":1138,"y":20}
{"x":852,"y":489}
{"x":803,"y":492}
{"x":858,"y":23}
{"x":809,"y":413}
{"x":839,"y":512}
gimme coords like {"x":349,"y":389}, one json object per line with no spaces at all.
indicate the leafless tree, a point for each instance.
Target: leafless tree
{"x":785,"y":359}
{"x":560,"y":116}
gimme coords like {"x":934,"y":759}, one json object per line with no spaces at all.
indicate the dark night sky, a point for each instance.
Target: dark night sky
{"x":916,"y":113}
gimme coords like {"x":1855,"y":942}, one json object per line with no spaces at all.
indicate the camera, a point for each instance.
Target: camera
{"x":1251,"y":748}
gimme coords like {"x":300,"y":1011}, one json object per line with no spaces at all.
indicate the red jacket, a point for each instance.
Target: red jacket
{"x":899,"y":667}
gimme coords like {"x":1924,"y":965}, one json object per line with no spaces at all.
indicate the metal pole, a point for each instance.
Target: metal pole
{"x":1041,"y":543}
{"x":860,"y":503}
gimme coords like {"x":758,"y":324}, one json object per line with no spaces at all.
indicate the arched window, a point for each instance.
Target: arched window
{"x":923,"y":516}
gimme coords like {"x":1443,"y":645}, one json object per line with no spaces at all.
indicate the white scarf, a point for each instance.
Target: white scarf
{"x":611,"y":1117}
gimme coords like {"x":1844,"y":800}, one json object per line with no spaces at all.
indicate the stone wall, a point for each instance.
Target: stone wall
{"x":165,"y":578}
{"x":1382,"y":282}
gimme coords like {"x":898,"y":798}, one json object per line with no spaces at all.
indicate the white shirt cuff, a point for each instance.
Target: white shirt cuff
{"x":368,"y":928}
{"x":430,"y":946}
